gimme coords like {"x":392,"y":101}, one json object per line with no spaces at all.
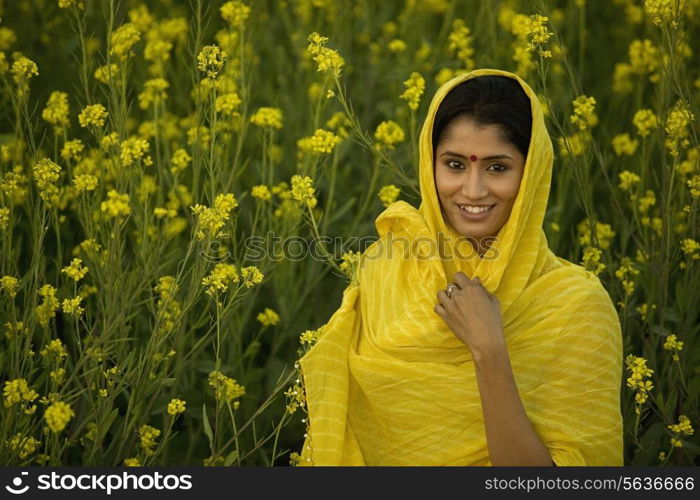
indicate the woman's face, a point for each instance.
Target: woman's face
{"x":475,"y":166}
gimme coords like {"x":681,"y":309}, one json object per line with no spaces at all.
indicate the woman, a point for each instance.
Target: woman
{"x":478,"y":346}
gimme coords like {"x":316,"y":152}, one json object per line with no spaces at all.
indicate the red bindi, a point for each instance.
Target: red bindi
{"x":473,"y":158}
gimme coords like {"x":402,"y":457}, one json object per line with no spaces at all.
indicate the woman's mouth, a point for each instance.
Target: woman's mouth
{"x":475,"y":213}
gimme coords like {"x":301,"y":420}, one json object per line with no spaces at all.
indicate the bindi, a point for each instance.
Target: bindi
{"x":473,"y":158}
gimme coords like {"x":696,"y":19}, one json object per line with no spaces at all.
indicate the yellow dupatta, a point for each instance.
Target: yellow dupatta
{"x":388,"y":383}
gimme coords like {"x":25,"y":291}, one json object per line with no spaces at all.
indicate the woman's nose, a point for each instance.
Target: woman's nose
{"x":474,"y":187}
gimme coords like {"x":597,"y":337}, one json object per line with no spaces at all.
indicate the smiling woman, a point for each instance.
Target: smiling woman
{"x":442,"y":359}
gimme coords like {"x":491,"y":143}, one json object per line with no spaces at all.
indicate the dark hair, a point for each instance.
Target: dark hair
{"x":488,"y":100}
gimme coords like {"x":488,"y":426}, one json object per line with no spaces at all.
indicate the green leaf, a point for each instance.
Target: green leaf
{"x":207,"y":428}
{"x":108,"y":421}
{"x":230,"y":458}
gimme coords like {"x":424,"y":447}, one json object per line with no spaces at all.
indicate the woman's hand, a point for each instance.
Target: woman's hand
{"x":473,"y":315}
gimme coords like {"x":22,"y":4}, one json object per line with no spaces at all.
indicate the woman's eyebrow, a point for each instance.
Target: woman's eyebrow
{"x":492,"y":157}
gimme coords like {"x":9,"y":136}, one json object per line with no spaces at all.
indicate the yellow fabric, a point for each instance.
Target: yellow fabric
{"x":388,"y":383}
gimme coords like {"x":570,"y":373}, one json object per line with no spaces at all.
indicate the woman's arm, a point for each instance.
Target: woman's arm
{"x":511,"y":438}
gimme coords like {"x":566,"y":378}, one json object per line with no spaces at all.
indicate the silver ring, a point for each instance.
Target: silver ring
{"x":449,"y":290}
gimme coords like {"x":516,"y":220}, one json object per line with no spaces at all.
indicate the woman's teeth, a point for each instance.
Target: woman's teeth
{"x":475,"y":210}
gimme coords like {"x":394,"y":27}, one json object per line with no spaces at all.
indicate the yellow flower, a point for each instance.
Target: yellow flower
{"x":267,"y":117}
{"x":148,"y":436}
{"x":179,"y":160}
{"x":54,"y":350}
{"x":261,"y":192}
{"x":604,"y":233}
{"x":227,"y":104}
{"x":396,"y":46}
{"x":154,"y":92}
{"x":47,"y":309}
{"x":210,"y":60}
{"x":66,"y":4}
{"x":460,"y":43}
{"x":122,"y":40}
{"x":584,"y":116}
{"x":23,"y":445}
{"x":56,"y":111}
{"x":677,"y":122}
{"x":537,"y":33}
{"x":10,"y":285}
{"x":93,"y":116}
{"x":591,"y":260}
{"x":133,"y":462}
{"x":105,"y":73}
{"x":322,"y":142}
{"x":388,"y":134}
{"x":624,"y":145}
{"x":388,"y":194}
{"x":694,"y":186}
{"x":268,"y":317}
{"x":133,"y":150}
{"x":85,"y":182}
{"x":645,"y":120}
{"x":72,"y":150}
{"x":75,"y":270}
{"x":176,"y":406}
{"x":574,"y":145}
{"x":72,"y":306}
{"x":690,"y":248}
{"x":251,"y":276}
{"x":226,"y":389}
{"x":221,"y":277}
{"x":628,"y":179}
{"x":327,"y":60}
{"x":415,"y":86}
{"x":303,"y":190}
{"x":18,"y":390}
{"x":234,"y":12}
{"x":647,"y":201}
{"x":659,"y":11}
{"x":58,"y":415}
{"x":46,"y":175}
{"x":23,"y":69}
{"x":116,"y":204}
{"x":683,"y":427}
{"x":210,"y":220}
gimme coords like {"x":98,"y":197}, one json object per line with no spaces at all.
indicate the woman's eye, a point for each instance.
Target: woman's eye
{"x":502,"y":168}
{"x":451,"y":163}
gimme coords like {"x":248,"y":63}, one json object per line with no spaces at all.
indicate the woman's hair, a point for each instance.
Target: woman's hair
{"x":488,"y":100}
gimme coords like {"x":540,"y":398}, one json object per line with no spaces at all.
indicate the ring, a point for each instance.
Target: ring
{"x":449,"y":290}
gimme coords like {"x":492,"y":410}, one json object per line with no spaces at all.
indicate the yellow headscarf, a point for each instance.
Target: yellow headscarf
{"x":388,"y":383}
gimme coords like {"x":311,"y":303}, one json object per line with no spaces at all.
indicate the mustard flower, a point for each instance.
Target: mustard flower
{"x":625,"y":271}
{"x":148,"y":437}
{"x":24,"y":446}
{"x":10,"y":285}
{"x":47,"y":309}
{"x":673,"y":344}
{"x":133,"y":150}
{"x":638,"y":373}
{"x":310,"y":337}
{"x":54,"y":350}
{"x":5,"y":217}
{"x":85,"y":182}
{"x":268,"y":317}
{"x":105,"y":73}
{"x":176,"y":406}
{"x":23,"y":69}
{"x":93,"y":116}
{"x":154,"y":92}
{"x":267,"y":117}
{"x":604,"y":233}
{"x":388,"y":134}
{"x":388,"y":194}
{"x":628,"y":179}
{"x":694,"y":186}
{"x":575,"y":144}
{"x":133,"y":462}
{"x":690,"y":248}
{"x":18,"y":390}
{"x":584,"y":116}
{"x":647,"y":201}
{"x":56,"y":111}
{"x":349,"y":265}
{"x":644,"y":309}
{"x":645,"y":58}
{"x":57,"y":376}
{"x":72,"y":306}
{"x":251,"y":276}
{"x":116,"y":205}
{"x":226,"y":390}
{"x":75,"y":270}
{"x":683,"y":427}
{"x":221,"y":277}
{"x":322,"y":142}
{"x":122,"y":40}
{"x":210,"y":220}
{"x":66,"y":4}
{"x":415,"y":86}
{"x":397,"y":46}
{"x":58,"y":415}
{"x":210,"y":60}
{"x":261,"y":192}
{"x":660,"y":11}
{"x":227,"y":104}
{"x":303,"y":190}
{"x":327,"y":60}
{"x":46,"y":175}
{"x":591,"y":260}
{"x":459,"y":43}
{"x":645,"y":120}
{"x":235,"y":13}
{"x":537,"y":34}
{"x":623,"y":144}
{"x":679,"y":119}
{"x":179,"y":161}
{"x":73,"y":150}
